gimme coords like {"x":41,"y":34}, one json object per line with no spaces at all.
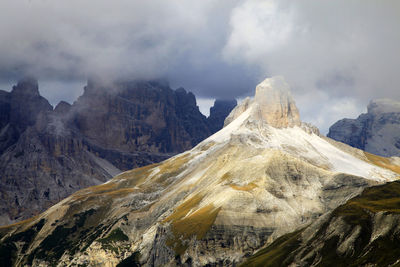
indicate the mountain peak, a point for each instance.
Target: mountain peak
{"x":27,"y":86}
{"x":383,"y":105}
{"x":272,"y":103}
{"x":275,"y":104}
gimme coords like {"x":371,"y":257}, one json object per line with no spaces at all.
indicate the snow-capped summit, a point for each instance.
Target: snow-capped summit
{"x":263,"y":175}
{"x":272,"y":103}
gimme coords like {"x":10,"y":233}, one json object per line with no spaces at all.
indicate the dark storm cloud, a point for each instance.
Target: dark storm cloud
{"x":180,"y":40}
{"x":336,"y":55}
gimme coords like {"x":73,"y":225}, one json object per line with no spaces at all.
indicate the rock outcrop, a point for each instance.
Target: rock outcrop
{"x":364,"y":231}
{"x":46,"y":154}
{"x":19,"y":110}
{"x":213,"y":205}
{"x":218,"y":113}
{"x":377,"y":131}
{"x":272,"y":103}
{"x":143,"y":121}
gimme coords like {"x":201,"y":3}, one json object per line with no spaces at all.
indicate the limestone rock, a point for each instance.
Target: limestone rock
{"x":272,"y":103}
{"x":238,"y":110}
{"x":46,"y":154}
{"x":377,"y":131}
{"x":275,"y":104}
{"x":362,"y":232}
{"x":140,"y":117}
{"x":213,"y":205}
{"x":218,"y":113}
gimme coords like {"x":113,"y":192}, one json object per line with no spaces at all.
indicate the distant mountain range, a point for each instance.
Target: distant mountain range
{"x":46,"y":154}
{"x":262,"y":176}
{"x":377,"y":131}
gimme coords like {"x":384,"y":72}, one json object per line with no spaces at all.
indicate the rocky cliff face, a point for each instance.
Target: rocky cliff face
{"x":362,"y":232}
{"x":145,"y":120}
{"x":218,"y":113}
{"x":273,"y":104}
{"x":19,"y":110}
{"x":213,"y":205}
{"x":377,"y":131}
{"x":48,"y":154}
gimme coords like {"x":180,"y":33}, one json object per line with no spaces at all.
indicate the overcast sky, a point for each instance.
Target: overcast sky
{"x":336,"y":55}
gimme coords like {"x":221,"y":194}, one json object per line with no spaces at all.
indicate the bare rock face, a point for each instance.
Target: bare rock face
{"x":275,"y":103}
{"x":213,"y":205}
{"x":218,"y":113}
{"x":19,"y":110}
{"x":41,"y":160}
{"x":376,"y":131}
{"x":272,"y":103}
{"x":362,"y":232}
{"x":138,"y":119}
{"x":238,"y":110}
{"x":46,"y":154}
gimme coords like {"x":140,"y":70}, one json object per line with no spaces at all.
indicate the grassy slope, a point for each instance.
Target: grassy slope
{"x":358,"y":211}
{"x":185,"y":227}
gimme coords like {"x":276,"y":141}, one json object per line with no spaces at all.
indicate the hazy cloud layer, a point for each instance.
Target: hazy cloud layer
{"x":336,"y":55}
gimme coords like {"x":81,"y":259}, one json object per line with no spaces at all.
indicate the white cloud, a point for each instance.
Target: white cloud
{"x":343,"y":52}
{"x":204,"y":105}
{"x":339,"y":53}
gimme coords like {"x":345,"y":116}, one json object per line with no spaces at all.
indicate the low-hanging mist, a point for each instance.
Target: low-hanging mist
{"x":336,"y":55}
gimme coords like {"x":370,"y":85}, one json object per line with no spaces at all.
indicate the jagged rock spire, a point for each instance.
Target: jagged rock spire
{"x":275,"y":104}
{"x":383,"y":105}
{"x":272,"y":103}
{"x":27,"y":86}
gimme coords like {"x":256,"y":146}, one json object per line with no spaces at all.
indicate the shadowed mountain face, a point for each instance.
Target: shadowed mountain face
{"x":260,"y":177}
{"x":365,"y":231}
{"x":219,"y":112}
{"x":377,"y":131}
{"x":46,"y":154}
{"x":19,"y":110}
{"x":139,"y":117}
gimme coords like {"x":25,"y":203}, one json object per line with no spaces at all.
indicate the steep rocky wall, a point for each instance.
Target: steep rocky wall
{"x":46,"y":154}
{"x":377,"y":131}
{"x":362,"y":232}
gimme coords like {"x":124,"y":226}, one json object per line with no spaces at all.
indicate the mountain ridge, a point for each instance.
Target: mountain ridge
{"x":236,"y":191}
{"x":48,"y":154}
{"x":375,"y":131}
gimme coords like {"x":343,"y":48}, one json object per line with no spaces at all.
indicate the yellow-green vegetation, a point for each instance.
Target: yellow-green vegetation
{"x":357,"y":212}
{"x":276,"y":253}
{"x":227,"y":176}
{"x":121,"y":185}
{"x":116,"y":235}
{"x":108,"y":242}
{"x":23,"y":223}
{"x":196,"y":224}
{"x":136,"y":176}
{"x":248,"y":187}
{"x":382,"y":162}
{"x":207,"y":146}
{"x":184,"y":208}
{"x":374,"y":199}
{"x":171,"y":168}
{"x":174,"y":164}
